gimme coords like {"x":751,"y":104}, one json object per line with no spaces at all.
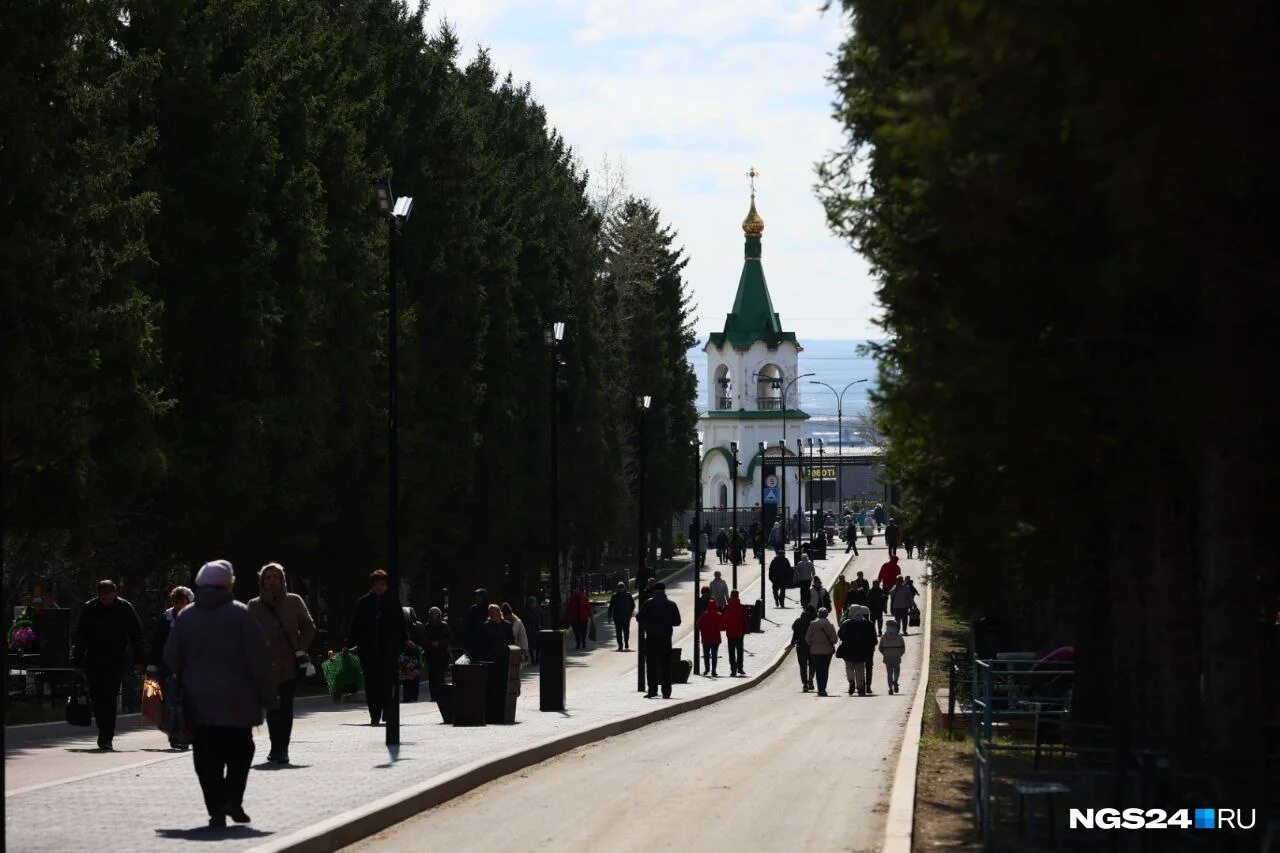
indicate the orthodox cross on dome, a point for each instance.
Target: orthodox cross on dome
{"x":753,"y":174}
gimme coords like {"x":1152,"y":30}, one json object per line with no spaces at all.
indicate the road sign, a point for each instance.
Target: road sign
{"x":770,"y":495}
{"x":771,"y":481}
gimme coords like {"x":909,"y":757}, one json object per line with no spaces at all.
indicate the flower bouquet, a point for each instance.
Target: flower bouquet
{"x":22,"y":634}
{"x":411,"y":662}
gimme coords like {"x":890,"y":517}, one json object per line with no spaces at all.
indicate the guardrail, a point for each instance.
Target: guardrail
{"x":1017,"y":689}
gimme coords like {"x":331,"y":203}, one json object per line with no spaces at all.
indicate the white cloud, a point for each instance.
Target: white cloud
{"x":689,"y":96}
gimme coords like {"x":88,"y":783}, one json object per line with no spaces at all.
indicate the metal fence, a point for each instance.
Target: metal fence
{"x":1017,"y":692}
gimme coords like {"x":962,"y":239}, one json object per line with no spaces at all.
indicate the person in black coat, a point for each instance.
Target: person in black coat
{"x":658,"y":618}
{"x":436,"y":645}
{"x":857,"y":645}
{"x":108,"y":625}
{"x":473,"y":636}
{"x":892,"y":536}
{"x":877,"y":601}
{"x":799,"y":628}
{"x":621,"y":608}
{"x":378,"y":629}
{"x":780,"y":576}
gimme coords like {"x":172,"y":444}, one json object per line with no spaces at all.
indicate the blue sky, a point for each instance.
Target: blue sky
{"x":684,"y":97}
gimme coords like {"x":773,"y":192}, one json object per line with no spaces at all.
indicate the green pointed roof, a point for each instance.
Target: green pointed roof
{"x":752,"y":318}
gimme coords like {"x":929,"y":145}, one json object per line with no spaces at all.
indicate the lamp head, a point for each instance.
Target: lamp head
{"x":404,"y":206}
{"x":558,"y":329}
{"x":382,"y":195}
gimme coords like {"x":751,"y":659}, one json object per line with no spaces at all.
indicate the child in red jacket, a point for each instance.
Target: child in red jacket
{"x":710,"y":624}
{"x":735,"y":627}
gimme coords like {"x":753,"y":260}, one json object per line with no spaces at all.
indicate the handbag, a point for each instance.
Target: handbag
{"x":913,"y":618}
{"x":152,"y":702}
{"x":343,"y":673}
{"x":78,"y":711}
{"x":303,"y":667}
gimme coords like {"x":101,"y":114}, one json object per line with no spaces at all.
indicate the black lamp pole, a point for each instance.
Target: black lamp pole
{"x":697,"y":523}
{"x":782,"y":462}
{"x":640,"y":568}
{"x":799,"y":495}
{"x":809,"y":487}
{"x":764,"y":533}
{"x":551,"y":673}
{"x":839,"y":436}
{"x":822,"y":490}
{"x":396,"y":212}
{"x":734,"y":545}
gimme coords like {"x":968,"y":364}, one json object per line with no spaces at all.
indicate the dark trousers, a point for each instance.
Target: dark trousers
{"x":900,"y":616}
{"x":436,"y":670}
{"x":579,"y":635}
{"x":104,"y":690}
{"x":802,"y":591}
{"x":877,"y":617}
{"x":280,"y":720}
{"x":869,"y":663}
{"x":806,"y":673}
{"x":622,"y":632}
{"x":410,"y":689}
{"x":222,"y":757}
{"x":735,"y":654}
{"x":710,"y":657}
{"x":779,"y":595}
{"x":821,"y":668}
{"x":657,"y":654}
{"x":376,"y":686}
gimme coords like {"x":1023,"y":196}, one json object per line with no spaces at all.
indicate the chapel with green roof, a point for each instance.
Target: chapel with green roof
{"x":752,"y":391}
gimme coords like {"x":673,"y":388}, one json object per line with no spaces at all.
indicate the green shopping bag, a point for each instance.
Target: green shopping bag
{"x":343,"y":673}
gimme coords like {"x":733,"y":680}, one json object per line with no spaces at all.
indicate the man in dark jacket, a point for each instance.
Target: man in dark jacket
{"x":780,"y":578}
{"x":621,"y":608}
{"x":377,"y":628}
{"x":658,"y":618}
{"x":857,"y":645}
{"x":220,"y":654}
{"x":107,"y":625}
{"x":851,"y":537}
{"x":473,"y":636}
{"x":799,"y":628}
{"x":892,"y":536}
{"x":877,"y":600}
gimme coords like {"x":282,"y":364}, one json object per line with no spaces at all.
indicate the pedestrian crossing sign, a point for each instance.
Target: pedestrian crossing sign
{"x":770,"y":495}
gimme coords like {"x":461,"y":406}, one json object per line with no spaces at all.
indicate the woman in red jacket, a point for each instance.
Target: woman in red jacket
{"x":578,"y":613}
{"x":735,"y":627}
{"x":710,"y":624}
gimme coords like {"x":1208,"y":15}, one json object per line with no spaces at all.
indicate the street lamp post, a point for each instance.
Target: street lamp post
{"x":764,"y":533}
{"x":735,"y":546}
{"x":551,"y":674}
{"x":839,"y":436}
{"x":782,"y":461}
{"x":697,"y":568}
{"x":809,"y":487}
{"x":643,"y":404}
{"x":799,"y":496}
{"x":396,"y":211}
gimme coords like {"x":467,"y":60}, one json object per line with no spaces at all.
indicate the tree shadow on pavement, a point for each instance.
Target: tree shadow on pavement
{"x":204,"y":833}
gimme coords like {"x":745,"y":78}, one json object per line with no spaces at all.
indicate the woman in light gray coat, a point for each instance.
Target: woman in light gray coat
{"x":892,"y":647}
{"x":218,"y":651}
{"x":821,"y":637}
{"x":287,"y":624}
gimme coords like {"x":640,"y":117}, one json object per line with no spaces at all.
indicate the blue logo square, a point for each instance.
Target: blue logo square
{"x":1205,"y":819}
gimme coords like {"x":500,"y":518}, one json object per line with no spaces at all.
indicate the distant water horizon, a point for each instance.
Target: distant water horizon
{"x":835,"y":362}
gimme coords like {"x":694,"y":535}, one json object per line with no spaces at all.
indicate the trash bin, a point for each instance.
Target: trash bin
{"x":680,"y":668}
{"x":502,"y":687}
{"x":755,"y":615}
{"x":469,"y":693}
{"x":442,"y":695}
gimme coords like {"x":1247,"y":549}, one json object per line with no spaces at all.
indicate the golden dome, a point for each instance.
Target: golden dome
{"x":753,"y":225}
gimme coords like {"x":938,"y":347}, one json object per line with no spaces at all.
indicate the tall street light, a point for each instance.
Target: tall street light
{"x":765,"y":550}
{"x":643,"y":404}
{"x":551,"y":674}
{"x":735,"y":546}
{"x":839,"y":433}
{"x":782,"y":462}
{"x":396,"y":211}
{"x":697,"y":524}
{"x":809,"y":491}
{"x":822,"y":492}
{"x":799,"y":496}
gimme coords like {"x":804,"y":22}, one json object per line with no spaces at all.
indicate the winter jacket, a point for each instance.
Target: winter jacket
{"x":892,"y":646}
{"x":735,"y":619}
{"x":878,"y":514}
{"x":859,"y":583}
{"x":800,"y":629}
{"x":840,"y":593}
{"x":777,"y":538}
{"x":780,"y":572}
{"x":704,"y":543}
{"x":219,"y":652}
{"x":821,"y":637}
{"x":579,"y":607}
{"x":720,"y":592}
{"x":160,"y":636}
{"x":722,"y":541}
{"x":499,"y":636}
{"x":889,"y":574}
{"x":877,"y":598}
{"x":711,"y":625}
{"x":377,"y":621}
{"x":804,"y":569}
{"x":102,"y":634}
{"x":287,"y":625}
{"x":891,"y":534}
{"x":819,"y":598}
{"x":857,"y":640}
{"x":856,"y":596}
{"x":659,"y":616}
{"x":902,"y":597}
{"x":621,"y":607}
{"x":437,"y":642}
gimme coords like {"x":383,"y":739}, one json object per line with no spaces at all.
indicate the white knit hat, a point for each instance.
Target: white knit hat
{"x":215,"y":573}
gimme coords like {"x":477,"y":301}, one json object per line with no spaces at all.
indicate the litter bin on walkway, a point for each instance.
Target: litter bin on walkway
{"x":502,"y":687}
{"x":469,"y":693}
{"x":755,"y":614}
{"x":442,"y":695}
{"x":680,"y":668}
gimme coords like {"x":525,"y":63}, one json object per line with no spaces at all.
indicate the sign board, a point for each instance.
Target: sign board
{"x":822,"y":473}
{"x":770,"y":495}
{"x":771,"y":481}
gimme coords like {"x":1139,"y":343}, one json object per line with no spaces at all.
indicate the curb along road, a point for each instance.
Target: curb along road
{"x":900,"y":821}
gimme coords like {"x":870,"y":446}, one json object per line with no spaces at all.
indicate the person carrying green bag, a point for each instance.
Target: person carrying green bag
{"x":343,"y":673}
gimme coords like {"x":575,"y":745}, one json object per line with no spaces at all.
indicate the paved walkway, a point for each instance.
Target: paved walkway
{"x":147,"y":797}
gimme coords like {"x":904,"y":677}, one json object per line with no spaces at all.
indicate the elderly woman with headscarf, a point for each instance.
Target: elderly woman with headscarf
{"x":290,"y":630}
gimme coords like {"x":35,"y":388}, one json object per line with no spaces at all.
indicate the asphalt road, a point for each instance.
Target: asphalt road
{"x":770,"y":769}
